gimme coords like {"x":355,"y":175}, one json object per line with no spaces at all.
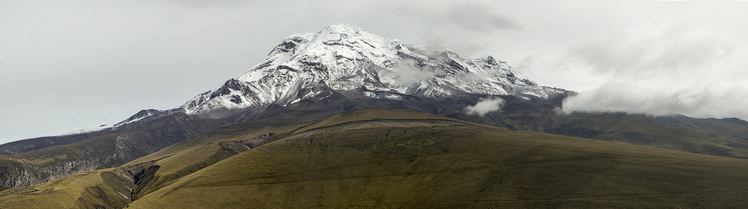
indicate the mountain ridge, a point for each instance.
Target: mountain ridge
{"x":356,"y":63}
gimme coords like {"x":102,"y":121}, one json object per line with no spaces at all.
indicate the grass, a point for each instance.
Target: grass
{"x":648,"y":131}
{"x":62,"y":193}
{"x":457,"y":165}
{"x":381,"y":158}
{"x":101,"y":151}
{"x":196,"y":153}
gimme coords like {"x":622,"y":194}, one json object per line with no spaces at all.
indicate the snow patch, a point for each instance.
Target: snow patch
{"x":253,"y":76}
{"x":346,"y":58}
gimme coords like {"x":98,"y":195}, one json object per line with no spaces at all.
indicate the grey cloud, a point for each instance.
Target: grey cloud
{"x":710,"y":100}
{"x":200,"y":4}
{"x":523,"y":64}
{"x":436,"y":41}
{"x":484,"y":106}
{"x":481,"y":18}
{"x":464,"y":48}
{"x":631,"y":54}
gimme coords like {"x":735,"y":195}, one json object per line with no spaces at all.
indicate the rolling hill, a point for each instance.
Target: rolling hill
{"x":394,"y":158}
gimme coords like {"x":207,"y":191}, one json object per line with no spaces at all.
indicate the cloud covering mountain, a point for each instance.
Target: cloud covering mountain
{"x":684,"y":70}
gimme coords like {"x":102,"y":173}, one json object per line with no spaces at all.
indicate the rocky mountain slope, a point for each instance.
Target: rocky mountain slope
{"x":355,"y":63}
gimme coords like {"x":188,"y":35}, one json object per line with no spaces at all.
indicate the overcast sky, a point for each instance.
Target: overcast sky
{"x":70,"y":65}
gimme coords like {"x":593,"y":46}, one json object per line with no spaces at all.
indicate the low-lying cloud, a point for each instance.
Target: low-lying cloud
{"x":408,"y":73}
{"x":682,"y":70}
{"x":484,"y":106}
{"x":711,"y":100}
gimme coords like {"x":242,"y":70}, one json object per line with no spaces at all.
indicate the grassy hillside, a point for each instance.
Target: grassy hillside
{"x":104,"y":150}
{"x":37,"y":160}
{"x":734,"y":127}
{"x":393,"y":158}
{"x":721,"y":137}
{"x":439,"y":162}
{"x":101,"y":188}
{"x":645,"y":131}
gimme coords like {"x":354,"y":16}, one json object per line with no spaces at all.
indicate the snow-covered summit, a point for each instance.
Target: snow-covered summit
{"x":351,"y":61}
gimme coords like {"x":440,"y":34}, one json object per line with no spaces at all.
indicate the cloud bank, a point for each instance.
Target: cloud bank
{"x":484,"y":106}
{"x":697,"y":101}
{"x":685,"y":70}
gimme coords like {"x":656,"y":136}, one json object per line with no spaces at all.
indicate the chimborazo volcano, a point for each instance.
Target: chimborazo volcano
{"x":346,"y":118}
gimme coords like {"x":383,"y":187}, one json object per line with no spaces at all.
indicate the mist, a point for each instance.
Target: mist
{"x":484,"y":106}
{"x":685,"y":69}
{"x":407,"y":73}
{"x":712,"y":100}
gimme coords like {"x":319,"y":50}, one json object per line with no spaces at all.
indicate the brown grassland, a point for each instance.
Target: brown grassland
{"x":384,"y":158}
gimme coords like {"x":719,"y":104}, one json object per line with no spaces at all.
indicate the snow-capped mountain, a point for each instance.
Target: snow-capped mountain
{"x":353,"y":62}
{"x":350,"y":61}
{"x":334,"y":69}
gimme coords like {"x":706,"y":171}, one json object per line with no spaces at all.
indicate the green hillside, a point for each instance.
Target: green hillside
{"x":382,"y":158}
{"x":720,"y":137}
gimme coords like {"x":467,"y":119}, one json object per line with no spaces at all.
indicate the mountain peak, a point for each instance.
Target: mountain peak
{"x":343,"y":28}
{"x":331,"y":43}
{"x":348,"y":60}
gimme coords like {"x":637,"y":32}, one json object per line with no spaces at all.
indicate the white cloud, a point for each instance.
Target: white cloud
{"x":484,"y":106}
{"x":688,"y":70}
{"x":408,"y":73}
{"x":709,"y":100}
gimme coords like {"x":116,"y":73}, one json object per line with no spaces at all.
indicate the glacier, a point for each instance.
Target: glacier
{"x":354,"y":62}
